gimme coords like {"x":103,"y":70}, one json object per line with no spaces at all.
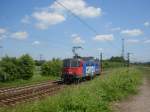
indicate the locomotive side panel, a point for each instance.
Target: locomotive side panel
{"x":88,"y":68}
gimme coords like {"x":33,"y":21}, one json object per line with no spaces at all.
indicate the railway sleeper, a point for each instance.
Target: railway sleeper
{"x":22,"y":88}
{"x":33,"y":90}
{"x":27,"y":97}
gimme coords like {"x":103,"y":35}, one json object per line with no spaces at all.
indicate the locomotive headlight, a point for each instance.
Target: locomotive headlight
{"x":70,"y":72}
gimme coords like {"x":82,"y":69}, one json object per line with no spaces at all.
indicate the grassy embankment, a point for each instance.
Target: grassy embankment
{"x":91,"y":96}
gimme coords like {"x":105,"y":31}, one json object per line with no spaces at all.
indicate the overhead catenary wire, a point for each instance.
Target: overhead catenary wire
{"x":58,"y":43}
{"x":82,"y":21}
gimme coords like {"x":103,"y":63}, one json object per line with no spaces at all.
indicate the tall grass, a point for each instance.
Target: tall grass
{"x":92,"y":96}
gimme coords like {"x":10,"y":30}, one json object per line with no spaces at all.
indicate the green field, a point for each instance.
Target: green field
{"x":91,"y":96}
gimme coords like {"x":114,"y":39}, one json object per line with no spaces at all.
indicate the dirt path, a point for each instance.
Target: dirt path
{"x":138,"y":103}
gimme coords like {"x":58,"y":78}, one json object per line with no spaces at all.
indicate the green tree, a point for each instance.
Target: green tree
{"x":9,"y":69}
{"x":3,"y":76}
{"x":117,"y":59}
{"x":39,"y":62}
{"x":53,"y":67}
{"x":56,"y":65}
{"x":27,"y":66}
{"x":46,"y":69}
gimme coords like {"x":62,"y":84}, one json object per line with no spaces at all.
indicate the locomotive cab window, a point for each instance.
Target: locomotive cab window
{"x":75,"y":63}
{"x":71,"y":63}
{"x":66,"y":63}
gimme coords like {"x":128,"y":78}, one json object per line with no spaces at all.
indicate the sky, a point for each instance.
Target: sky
{"x":50,"y":29}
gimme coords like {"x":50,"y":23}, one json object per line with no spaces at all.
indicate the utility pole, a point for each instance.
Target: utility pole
{"x":40,"y":57}
{"x":122,"y":54}
{"x":101,"y":63}
{"x":128,"y":59}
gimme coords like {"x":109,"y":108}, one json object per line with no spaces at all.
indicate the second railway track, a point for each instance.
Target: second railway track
{"x":12,"y":96}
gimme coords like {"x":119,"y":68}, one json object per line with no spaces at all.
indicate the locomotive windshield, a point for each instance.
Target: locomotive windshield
{"x":71,"y":63}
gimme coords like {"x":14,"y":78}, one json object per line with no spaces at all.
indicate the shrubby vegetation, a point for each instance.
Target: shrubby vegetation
{"x":25,"y":67}
{"x":117,"y":59}
{"x":13,"y":68}
{"x":114,"y":62}
{"x":92,"y":96}
{"x":53,"y":67}
{"x":39,"y":62}
{"x":9,"y":69}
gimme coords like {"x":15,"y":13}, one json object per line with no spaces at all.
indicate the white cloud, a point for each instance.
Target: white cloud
{"x":3,"y":36}
{"x":77,"y":39}
{"x":2,"y":30}
{"x":3,"y":33}
{"x":79,"y":7}
{"x":55,"y":13}
{"x":45,"y":19}
{"x":132,"y":32}
{"x":147,"y":41}
{"x":20,"y":35}
{"x":116,"y":29}
{"x":146,"y":24}
{"x":36,"y":43}
{"x":99,"y":49}
{"x":133,"y":41}
{"x":26,"y":19}
{"x":74,"y":35}
{"x":106,"y":37}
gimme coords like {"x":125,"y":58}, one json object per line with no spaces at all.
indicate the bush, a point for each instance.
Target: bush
{"x":3,"y":76}
{"x":12,"y":68}
{"x":39,"y":62}
{"x":117,"y":59}
{"x":26,"y":66}
{"x":9,"y":69}
{"x":53,"y":68}
{"x":112,"y":64}
{"x":46,"y":69}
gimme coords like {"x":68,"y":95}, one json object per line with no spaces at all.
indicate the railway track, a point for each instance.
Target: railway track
{"x":13,"y":96}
